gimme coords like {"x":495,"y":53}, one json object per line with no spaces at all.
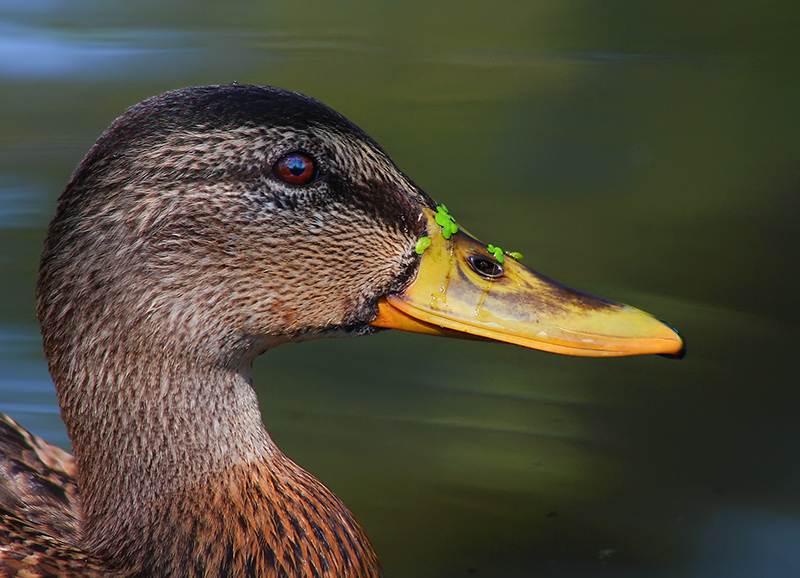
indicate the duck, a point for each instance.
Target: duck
{"x":206,"y":226}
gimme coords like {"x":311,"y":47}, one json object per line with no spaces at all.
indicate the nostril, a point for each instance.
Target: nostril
{"x":485,"y":267}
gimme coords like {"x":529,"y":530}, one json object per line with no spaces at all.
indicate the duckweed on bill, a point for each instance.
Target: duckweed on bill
{"x":422,"y":244}
{"x":446,"y":222}
{"x":497,"y":252}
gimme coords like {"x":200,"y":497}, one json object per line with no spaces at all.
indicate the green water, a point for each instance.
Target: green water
{"x":648,"y":152}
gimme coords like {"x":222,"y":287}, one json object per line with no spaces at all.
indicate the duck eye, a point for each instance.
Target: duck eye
{"x":486,"y":268}
{"x":295,"y":168}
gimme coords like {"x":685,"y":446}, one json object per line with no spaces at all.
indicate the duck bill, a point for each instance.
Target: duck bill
{"x":461,"y":290}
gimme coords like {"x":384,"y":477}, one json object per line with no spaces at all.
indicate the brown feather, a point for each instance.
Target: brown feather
{"x":175,"y":258}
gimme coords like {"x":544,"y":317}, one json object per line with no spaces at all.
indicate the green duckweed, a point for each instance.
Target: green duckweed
{"x":446,"y":222}
{"x":497,"y":252}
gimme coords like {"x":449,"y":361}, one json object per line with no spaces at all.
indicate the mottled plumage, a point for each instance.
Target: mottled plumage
{"x":175,"y":258}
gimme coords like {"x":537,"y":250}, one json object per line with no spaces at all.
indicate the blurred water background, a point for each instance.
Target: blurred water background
{"x":645,"y":151}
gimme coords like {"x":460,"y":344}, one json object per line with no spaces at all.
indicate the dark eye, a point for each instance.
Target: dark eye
{"x":485,"y":267}
{"x":295,"y":169}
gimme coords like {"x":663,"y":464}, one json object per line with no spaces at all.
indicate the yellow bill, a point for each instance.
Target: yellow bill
{"x":464,"y":290}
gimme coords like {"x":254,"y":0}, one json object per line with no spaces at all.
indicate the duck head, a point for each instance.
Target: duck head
{"x":209,"y":224}
{"x":247,"y":216}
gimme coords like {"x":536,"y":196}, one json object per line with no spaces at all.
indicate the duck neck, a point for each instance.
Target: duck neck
{"x":177,"y":471}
